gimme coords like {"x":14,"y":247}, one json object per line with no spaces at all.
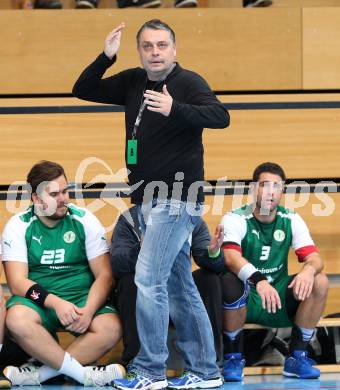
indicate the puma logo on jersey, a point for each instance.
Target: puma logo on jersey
{"x":257,"y":234}
{"x":37,"y":239}
{"x":8,"y":243}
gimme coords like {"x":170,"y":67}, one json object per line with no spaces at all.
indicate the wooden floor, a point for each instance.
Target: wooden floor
{"x":272,"y":382}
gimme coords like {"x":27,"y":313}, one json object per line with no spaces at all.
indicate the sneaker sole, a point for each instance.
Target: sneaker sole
{"x":153,"y":386}
{"x":260,"y":3}
{"x":85,"y":5}
{"x":118,"y":372}
{"x":233,"y":379}
{"x":5,"y":383}
{"x":152,"y":4}
{"x":291,"y":375}
{"x":200,"y":385}
{"x":186,"y":4}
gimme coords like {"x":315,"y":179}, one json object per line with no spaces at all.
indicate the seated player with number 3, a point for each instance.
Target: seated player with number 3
{"x":257,"y":239}
{"x":57,"y":267}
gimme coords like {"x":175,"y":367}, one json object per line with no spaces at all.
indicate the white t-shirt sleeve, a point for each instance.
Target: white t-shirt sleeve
{"x":300,"y":232}
{"x":235,"y":228}
{"x":302,"y":241}
{"x":95,"y":242}
{"x":13,"y":240}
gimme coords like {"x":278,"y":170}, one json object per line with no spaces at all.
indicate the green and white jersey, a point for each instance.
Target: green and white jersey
{"x":58,"y":257}
{"x":266,"y":246}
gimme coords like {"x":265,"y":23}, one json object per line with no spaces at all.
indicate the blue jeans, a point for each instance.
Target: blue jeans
{"x":166,"y":287}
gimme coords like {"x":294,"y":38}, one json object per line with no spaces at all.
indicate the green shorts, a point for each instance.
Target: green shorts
{"x":257,"y":315}
{"x":49,"y":318}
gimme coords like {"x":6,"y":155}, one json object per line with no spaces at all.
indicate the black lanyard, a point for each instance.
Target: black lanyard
{"x":143,"y":105}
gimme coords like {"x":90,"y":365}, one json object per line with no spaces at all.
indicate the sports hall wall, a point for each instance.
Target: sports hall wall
{"x":277,"y":69}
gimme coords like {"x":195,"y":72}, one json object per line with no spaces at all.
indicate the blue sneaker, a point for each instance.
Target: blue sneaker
{"x":299,"y":365}
{"x":189,"y":380}
{"x":233,"y":367}
{"x":140,"y":382}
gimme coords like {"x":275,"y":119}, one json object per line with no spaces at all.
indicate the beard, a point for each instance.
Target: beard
{"x":54,"y":215}
{"x":266,"y":208}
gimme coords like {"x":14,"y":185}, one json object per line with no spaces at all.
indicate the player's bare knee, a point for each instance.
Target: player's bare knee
{"x":321,"y":286}
{"x":15,"y":320}
{"x":18,"y":321}
{"x":109,"y":326}
{"x":114,"y":329}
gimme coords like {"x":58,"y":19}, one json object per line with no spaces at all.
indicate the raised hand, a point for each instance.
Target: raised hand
{"x":112,"y":41}
{"x":216,"y":240}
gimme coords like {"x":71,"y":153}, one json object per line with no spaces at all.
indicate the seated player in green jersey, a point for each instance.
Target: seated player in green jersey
{"x":5,"y":383}
{"x":57,"y":267}
{"x":257,"y":239}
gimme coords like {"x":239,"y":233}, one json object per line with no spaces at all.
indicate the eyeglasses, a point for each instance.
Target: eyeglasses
{"x":148,"y":46}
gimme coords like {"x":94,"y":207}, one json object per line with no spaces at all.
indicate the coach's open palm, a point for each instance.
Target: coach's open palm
{"x":112,"y":41}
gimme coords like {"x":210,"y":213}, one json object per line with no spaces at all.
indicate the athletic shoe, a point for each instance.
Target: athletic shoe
{"x":140,"y":382}
{"x":103,"y":375}
{"x":5,"y":383}
{"x":257,"y":3}
{"x":189,"y":380}
{"x":299,"y":365}
{"x":22,"y":376}
{"x":89,"y":4}
{"x":233,"y":367}
{"x":139,"y":3}
{"x":185,"y":3}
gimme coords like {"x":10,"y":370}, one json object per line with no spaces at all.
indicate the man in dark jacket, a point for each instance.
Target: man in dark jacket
{"x":166,"y":109}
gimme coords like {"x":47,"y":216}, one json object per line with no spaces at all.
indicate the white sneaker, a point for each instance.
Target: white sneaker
{"x":103,"y":376}
{"x":25,"y":376}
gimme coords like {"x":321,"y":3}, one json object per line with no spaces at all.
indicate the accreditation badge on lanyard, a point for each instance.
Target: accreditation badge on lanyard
{"x":131,"y":155}
{"x":131,"y":151}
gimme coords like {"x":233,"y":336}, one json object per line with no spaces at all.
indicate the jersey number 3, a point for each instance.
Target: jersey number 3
{"x":53,"y":256}
{"x":265,"y":252}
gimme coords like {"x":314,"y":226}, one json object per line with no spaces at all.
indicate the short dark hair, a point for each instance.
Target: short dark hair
{"x":43,"y":171}
{"x":156,"y":24}
{"x":268,"y":167}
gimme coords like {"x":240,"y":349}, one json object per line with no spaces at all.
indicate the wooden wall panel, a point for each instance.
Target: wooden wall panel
{"x":293,"y":138}
{"x":305,"y":142}
{"x":70,"y":139}
{"x":321,"y":55}
{"x":46,"y":50}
